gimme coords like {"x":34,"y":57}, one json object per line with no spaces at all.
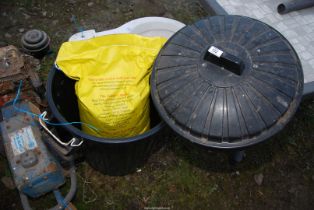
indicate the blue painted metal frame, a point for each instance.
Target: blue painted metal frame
{"x":45,"y":175}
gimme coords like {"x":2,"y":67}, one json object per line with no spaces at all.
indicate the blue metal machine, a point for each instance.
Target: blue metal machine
{"x":39,"y":163}
{"x":34,"y":169}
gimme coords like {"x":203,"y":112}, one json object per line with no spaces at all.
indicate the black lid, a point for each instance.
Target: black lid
{"x":227,"y":82}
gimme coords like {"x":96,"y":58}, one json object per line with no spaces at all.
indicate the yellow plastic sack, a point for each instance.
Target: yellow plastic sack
{"x":112,"y":87}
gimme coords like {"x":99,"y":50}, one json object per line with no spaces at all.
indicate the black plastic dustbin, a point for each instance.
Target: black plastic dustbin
{"x":109,"y":156}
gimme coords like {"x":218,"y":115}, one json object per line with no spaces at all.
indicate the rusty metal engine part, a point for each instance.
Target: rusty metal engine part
{"x":16,"y":66}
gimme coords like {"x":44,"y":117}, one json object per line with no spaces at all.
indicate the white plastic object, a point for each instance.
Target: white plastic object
{"x":146,"y":26}
{"x":215,"y":51}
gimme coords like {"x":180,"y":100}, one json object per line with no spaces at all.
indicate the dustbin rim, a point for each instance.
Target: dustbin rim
{"x":80,"y":134}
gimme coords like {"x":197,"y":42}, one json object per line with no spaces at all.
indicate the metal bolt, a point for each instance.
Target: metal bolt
{"x":179,"y":53}
{"x":204,"y":64}
{"x":258,"y":50}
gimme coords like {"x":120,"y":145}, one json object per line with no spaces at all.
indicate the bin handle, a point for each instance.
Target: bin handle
{"x":71,"y":143}
{"x":225,"y":60}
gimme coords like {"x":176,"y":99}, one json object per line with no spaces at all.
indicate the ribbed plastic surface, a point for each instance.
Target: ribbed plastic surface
{"x":237,"y":100}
